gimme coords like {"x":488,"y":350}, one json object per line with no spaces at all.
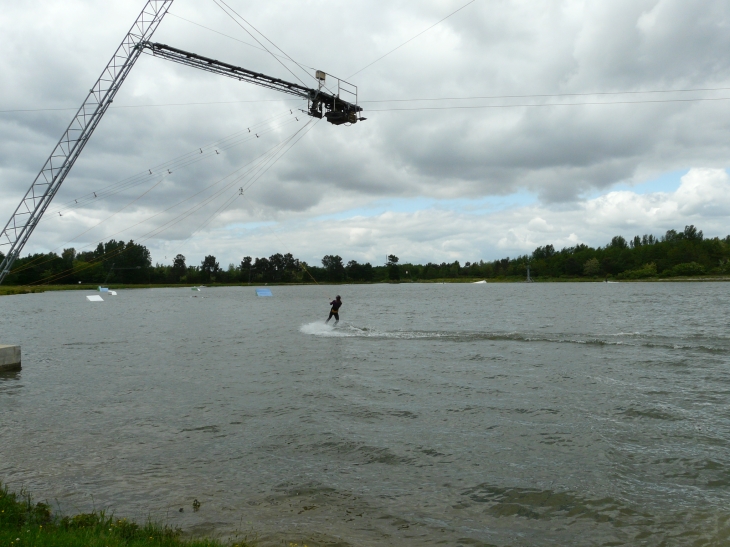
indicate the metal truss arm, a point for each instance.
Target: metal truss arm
{"x":337,"y":110}
{"x":37,"y":199}
{"x":224,"y":69}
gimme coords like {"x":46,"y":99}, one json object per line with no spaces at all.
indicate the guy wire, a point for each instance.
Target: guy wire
{"x":156,"y":231}
{"x":35,"y":262}
{"x":231,"y":200}
{"x":257,"y":40}
{"x":175,"y":163}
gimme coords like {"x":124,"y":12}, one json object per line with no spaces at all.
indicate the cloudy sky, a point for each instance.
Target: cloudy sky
{"x":511,"y":124}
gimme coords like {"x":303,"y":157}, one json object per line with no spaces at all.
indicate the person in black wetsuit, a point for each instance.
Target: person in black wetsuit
{"x":335,"y":311}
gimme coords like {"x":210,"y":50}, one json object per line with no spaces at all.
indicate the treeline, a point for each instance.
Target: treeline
{"x":114,"y":261}
{"x":676,"y":253}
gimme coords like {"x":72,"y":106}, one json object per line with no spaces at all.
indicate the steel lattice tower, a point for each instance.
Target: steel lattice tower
{"x":64,"y":155}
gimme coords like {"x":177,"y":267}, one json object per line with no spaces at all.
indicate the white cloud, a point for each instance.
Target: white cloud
{"x":439,"y":234}
{"x":539,"y":225}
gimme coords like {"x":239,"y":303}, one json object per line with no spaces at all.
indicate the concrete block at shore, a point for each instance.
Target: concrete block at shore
{"x":9,"y":358}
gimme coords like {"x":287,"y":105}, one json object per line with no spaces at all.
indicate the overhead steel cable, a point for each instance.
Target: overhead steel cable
{"x":236,"y":179}
{"x":129,"y":182}
{"x":527,"y":105}
{"x":235,"y":39}
{"x":133,"y":183}
{"x":252,"y":172}
{"x":32,"y":263}
{"x":181,"y":162}
{"x":145,"y":237}
{"x":231,"y":200}
{"x":243,"y":190}
{"x":537,"y":95}
{"x":257,"y":40}
{"x":284,"y":53}
{"x":236,"y":195}
{"x":546,"y":95}
{"x":284,"y":153}
{"x":261,"y":157}
{"x":175,"y":162}
{"x":411,"y":39}
{"x":301,"y":263}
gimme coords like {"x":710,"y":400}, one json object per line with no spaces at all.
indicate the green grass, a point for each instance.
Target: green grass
{"x":25,"y":524}
{"x":6,"y":290}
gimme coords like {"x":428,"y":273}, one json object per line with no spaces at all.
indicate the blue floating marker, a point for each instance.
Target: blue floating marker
{"x":263,"y":292}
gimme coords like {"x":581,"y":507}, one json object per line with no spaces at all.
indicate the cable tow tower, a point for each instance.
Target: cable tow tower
{"x":337,"y":107}
{"x":321,"y":104}
{"x":64,"y":155}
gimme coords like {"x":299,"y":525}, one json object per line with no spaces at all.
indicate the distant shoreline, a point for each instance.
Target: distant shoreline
{"x":12,"y":290}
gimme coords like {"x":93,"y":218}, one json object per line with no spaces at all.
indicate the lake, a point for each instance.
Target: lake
{"x":459,"y":415}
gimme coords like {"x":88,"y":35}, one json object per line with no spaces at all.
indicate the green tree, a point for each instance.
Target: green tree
{"x":263,"y":270}
{"x":178,"y":267}
{"x":619,"y":242}
{"x":687,"y":268}
{"x":209,"y":268}
{"x":136,"y":259}
{"x":393,"y":269}
{"x":592,"y":267}
{"x":690,"y":232}
{"x":68,"y":256}
{"x":334,"y":267}
{"x":246,"y":268}
{"x":359,"y":272}
{"x":543,"y":252}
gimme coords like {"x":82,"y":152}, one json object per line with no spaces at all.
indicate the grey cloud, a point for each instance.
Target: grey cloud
{"x":54,"y":50}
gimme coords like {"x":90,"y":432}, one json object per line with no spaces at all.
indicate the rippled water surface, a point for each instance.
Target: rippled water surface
{"x":544,"y":414}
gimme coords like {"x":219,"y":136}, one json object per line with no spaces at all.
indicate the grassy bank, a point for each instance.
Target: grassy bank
{"x":7,"y":290}
{"x":27,"y":524}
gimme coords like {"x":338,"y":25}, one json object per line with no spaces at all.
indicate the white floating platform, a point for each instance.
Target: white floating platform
{"x":9,"y":358}
{"x":94,"y":298}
